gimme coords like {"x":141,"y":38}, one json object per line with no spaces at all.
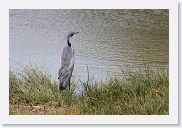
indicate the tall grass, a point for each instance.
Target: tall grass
{"x":33,"y":91}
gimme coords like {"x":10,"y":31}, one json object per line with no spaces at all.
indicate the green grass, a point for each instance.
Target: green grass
{"x":145,"y":92}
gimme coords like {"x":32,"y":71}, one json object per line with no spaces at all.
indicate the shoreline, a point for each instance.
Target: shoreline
{"x":34,"y":92}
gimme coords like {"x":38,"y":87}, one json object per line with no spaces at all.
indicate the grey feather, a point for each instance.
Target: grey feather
{"x":67,"y":66}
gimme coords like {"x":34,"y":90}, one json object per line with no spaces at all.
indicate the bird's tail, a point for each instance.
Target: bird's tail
{"x":61,"y":87}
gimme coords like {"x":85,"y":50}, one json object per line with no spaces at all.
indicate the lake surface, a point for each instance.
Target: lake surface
{"x":108,"y":40}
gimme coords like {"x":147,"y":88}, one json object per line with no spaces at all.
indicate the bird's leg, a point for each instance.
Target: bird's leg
{"x":69,"y":84}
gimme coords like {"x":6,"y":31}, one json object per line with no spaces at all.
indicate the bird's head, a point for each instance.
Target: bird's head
{"x":71,"y":34}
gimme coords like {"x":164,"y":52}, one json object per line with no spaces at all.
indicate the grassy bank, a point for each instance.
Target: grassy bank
{"x":33,"y":91}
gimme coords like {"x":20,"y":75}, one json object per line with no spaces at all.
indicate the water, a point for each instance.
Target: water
{"x":108,"y":40}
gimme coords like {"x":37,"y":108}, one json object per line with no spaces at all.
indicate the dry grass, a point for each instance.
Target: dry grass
{"x":34,"y":92}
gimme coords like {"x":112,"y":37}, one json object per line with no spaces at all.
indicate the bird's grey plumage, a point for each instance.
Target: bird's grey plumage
{"x":67,"y":64}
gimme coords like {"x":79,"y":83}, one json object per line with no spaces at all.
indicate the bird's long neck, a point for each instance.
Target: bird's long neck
{"x":69,"y":44}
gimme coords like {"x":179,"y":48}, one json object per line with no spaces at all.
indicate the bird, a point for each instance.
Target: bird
{"x":67,"y":64}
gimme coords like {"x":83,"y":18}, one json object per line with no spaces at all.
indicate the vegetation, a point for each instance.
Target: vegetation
{"x":33,"y":91}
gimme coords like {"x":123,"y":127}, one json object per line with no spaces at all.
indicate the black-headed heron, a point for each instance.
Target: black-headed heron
{"x":67,"y":64}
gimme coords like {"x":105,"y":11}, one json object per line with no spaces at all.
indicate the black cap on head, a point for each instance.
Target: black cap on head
{"x":71,"y":34}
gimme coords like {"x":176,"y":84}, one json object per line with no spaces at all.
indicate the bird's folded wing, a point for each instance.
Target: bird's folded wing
{"x":63,"y":67}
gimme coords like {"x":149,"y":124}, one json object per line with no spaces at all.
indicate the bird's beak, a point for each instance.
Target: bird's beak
{"x":76,"y":32}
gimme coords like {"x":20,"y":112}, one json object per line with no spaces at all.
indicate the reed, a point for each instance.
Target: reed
{"x":144,"y":92}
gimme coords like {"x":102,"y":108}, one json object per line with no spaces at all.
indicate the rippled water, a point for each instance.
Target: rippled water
{"x":108,"y":40}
